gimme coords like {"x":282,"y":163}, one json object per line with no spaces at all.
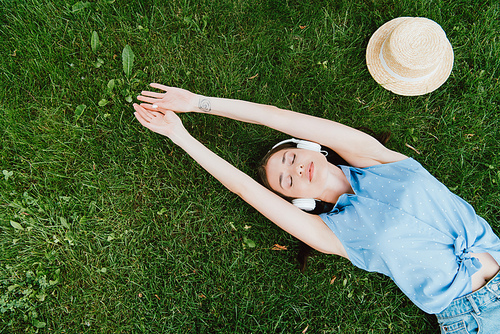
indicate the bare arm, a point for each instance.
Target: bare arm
{"x":308,"y":228}
{"x":356,"y":147}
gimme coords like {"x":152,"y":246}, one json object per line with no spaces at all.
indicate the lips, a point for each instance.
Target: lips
{"x":310,"y":171}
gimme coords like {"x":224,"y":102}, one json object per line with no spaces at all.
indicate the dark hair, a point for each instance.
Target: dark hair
{"x":261,"y":169}
{"x":321,"y":207}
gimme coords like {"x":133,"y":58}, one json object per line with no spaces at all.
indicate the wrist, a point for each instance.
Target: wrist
{"x":179,"y":138}
{"x":203,"y":104}
{"x":183,"y":139}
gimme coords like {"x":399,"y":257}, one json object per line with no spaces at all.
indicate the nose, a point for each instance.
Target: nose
{"x":299,"y":169}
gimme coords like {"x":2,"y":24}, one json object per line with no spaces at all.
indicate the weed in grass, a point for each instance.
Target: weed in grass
{"x":23,"y":290}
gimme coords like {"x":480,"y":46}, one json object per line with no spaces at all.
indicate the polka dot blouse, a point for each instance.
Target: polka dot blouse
{"x":404,"y":223}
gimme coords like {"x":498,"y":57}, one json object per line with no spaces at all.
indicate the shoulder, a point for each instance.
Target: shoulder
{"x":396,"y":170}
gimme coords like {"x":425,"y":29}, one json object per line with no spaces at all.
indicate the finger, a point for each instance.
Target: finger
{"x":152,"y":94}
{"x":151,"y":107}
{"x":147,"y":99}
{"x":141,"y":119}
{"x":159,"y":86}
{"x":145,"y":114}
{"x":155,"y":114}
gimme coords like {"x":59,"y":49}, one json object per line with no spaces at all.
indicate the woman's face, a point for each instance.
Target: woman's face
{"x":298,"y":173}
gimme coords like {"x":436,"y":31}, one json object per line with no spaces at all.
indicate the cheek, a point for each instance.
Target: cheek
{"x":301,"y":190}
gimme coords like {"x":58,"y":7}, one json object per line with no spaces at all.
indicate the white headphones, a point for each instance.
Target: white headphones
{"x":306,"y":204}
{"x":307,"y":145}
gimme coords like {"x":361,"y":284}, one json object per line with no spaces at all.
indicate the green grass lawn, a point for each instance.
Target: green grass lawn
{"x":106,"y":227}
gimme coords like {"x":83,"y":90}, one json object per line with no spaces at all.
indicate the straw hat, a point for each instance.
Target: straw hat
{"x":410,"y":56}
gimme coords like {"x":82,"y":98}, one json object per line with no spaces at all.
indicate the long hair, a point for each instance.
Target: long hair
{"x":332,"y":157}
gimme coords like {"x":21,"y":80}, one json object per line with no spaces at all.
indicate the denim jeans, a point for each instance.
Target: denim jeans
{"x":477,"y":312}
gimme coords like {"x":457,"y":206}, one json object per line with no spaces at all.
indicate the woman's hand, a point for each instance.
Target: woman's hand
{"x":174,"y":99}
{"x":166,"y":123}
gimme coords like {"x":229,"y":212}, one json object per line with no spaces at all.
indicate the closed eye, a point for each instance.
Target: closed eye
{"x":288,"y":181}
{"x":291,"y":159}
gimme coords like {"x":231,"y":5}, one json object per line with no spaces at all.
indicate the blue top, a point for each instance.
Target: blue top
{"x":404,"y":223}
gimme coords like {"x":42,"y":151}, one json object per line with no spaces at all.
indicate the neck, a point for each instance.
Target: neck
{"x":337,"y":185}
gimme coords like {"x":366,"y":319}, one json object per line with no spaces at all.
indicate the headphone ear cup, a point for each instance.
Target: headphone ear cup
{"x":306,"y":204}
{"x":309,"y":145}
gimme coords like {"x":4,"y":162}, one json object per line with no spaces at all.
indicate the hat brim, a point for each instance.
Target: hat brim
{"x":395,"y":85}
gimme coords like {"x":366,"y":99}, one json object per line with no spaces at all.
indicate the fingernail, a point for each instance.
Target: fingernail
{"x":155,"y":106}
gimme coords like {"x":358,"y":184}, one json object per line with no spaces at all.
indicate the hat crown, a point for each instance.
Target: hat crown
{"x":415,"y":47}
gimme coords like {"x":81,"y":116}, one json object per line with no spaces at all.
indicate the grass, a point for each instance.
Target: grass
{"x":106,"y":227}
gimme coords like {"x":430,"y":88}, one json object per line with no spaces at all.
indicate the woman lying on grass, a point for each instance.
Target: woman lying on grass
{"x":389,"y":215}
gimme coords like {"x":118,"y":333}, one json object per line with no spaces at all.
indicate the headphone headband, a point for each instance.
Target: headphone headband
{"x":304,"y":144}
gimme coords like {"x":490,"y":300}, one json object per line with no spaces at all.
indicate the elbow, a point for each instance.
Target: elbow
{"x":245,"y":188}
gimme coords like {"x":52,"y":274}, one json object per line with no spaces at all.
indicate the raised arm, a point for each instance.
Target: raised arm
{"x":308,"y":228}
{"x":356,"y":147}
